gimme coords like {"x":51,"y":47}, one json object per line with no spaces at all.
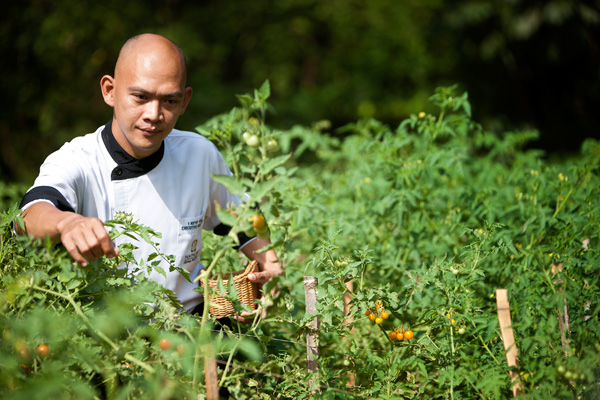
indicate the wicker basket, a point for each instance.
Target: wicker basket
{"x":247,"y":291}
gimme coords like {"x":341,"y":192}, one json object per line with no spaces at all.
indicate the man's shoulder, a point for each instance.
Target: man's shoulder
{"x":83,"y":144}
{"x":186,"y":140}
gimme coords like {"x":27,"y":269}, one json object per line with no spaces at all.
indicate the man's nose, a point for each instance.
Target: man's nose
{"x":153,"y":111}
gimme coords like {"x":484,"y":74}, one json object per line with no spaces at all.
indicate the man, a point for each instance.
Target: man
{"x":138,"y":163}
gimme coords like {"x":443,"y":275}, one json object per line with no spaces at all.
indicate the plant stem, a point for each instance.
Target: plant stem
{"x":558,"y":208}
{"x":488,"y":349}
{"x":452,"y":375}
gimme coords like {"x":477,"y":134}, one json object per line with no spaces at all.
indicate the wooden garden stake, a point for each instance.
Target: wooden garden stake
{"x":210,"y":374}
{"x":563,"y":317}
{"x":312,"y":335}
{"x":348,"y":321}
{"x":508,"y":338}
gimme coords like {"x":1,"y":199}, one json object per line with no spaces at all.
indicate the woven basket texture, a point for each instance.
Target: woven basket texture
{"x":247,"y":291}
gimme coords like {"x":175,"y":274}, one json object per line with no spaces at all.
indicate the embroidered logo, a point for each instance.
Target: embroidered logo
{"x":192,"y":225}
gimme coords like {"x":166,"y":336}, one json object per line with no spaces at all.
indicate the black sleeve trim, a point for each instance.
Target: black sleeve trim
{"x":47,"y":193}
{"x":223,"y":230}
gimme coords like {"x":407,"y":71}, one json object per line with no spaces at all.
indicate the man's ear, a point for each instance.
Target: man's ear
{"x":187,"y":95}
{"x":107,"y":85}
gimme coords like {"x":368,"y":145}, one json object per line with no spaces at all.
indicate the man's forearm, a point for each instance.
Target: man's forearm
{"x":85,"y":238}
{"x":43,"y":219}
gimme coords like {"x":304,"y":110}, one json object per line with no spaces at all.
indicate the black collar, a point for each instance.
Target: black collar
{"x":128,"y":166}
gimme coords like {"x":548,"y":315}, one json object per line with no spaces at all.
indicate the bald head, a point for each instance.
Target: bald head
{"x":150,"y":49}
{"x":147,"y":93}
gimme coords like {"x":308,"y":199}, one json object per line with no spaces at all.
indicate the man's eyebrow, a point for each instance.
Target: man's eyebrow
{"x":175,"y":95}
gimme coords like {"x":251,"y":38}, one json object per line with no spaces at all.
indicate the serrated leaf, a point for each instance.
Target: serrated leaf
{"x":225,"y":217}
{"x":270,"y":164}
{"x":260,"y":190}
{"x":244,"y":99}
{"x":264,"y":92}
{"x":230,"y":182}
{"x":160,"y":271}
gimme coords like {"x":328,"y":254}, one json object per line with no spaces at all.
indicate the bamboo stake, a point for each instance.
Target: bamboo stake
{"x":210,"y":374}
{"x":312,"y":334}
{"x":508,"y":338}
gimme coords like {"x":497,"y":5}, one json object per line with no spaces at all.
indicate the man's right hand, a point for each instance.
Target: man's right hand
{"x":85,"y":238}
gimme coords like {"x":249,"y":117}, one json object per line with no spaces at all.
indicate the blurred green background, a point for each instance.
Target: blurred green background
{"x":525,"y":64}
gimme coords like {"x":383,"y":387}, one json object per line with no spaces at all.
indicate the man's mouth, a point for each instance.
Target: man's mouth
{"x":150,"y":131}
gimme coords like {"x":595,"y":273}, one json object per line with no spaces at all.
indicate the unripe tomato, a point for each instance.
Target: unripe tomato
{"x":253,"y":141}
{"x":246,"y":136}
{"x":21,"y":349}
{"x":24,"y":353}
{"x":569,"y":375}
{"x":165,"y":343}
{"x":272,"y":145}
{"x":263,"y":234}
{"x":43,"y":350}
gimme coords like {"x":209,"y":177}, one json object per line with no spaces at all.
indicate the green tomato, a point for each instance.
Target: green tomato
{"x":264,"y":235}
{"x":272,"y":145}
{"x":253,"y":141}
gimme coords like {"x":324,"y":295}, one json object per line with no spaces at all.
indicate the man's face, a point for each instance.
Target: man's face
{"x":148,"y":94}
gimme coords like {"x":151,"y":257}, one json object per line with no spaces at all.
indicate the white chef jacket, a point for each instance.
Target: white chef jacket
{"x":170,"y":191}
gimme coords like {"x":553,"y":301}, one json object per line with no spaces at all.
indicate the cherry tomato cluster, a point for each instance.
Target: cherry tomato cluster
{"x":401,"y":334}
{"x":571,"y":373}
{"x":43,"y":350}
{"x":251,"y":136}
{"x":123,"y":217}
{"x":379,"y":315}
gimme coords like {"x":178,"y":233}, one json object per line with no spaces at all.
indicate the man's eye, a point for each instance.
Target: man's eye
{"x":139,"y":96}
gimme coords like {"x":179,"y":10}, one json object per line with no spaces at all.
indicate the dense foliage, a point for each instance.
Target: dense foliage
{"x":523,"y":62}
{"x":421,"y":222}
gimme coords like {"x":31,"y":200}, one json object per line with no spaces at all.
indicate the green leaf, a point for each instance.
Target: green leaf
{"x":264,"y":92}
{"x":226,"y":218}
{"x":244,"y":99}
{"x":270,"y":164}
{"x":231,"y":183}
{"x":260,"y":190}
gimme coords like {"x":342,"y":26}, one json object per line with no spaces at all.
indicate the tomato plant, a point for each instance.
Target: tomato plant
{"x":449,"y":212}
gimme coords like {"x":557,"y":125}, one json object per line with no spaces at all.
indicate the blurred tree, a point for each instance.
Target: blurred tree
{"x":533,"y":63}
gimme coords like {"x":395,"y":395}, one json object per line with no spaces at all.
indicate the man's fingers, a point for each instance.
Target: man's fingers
{"x":72,"y":249}
{"x":86,"y":240}
{"x":107,"y":246}
{"x":260,"y":277}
